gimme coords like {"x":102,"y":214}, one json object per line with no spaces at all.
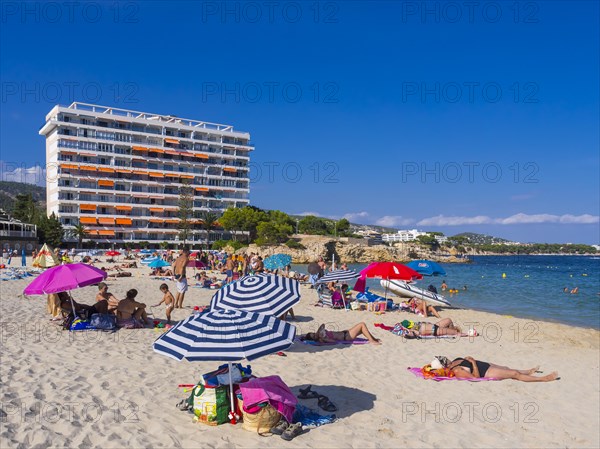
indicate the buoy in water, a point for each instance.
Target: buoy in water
{"x":526,"y":276}
{"x":503,"y":275}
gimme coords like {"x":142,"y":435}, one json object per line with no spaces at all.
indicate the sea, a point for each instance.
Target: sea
{"x":520,"y":286}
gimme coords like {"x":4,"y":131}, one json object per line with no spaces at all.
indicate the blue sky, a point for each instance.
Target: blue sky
{"x":450,"y":119}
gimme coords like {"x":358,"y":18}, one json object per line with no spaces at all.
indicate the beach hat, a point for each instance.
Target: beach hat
{"x":407,"y":324}
{"x":436,"y":364}
{"x":439,"y":362}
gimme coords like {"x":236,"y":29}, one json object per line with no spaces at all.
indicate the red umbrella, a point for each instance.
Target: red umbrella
{"x":113,"y":253}
{"x":385,"y":270}
{"x":390,"y":270}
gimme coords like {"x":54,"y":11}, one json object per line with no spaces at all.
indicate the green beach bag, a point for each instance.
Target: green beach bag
{"x":210,"y":405}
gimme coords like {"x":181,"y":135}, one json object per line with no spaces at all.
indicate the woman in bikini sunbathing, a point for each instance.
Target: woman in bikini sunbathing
{"x":468,"y":368}
{"x":324,"y":336}
{"x":423,"y":329}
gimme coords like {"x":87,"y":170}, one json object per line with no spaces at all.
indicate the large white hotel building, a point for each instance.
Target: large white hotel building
{"x":119,"y":172}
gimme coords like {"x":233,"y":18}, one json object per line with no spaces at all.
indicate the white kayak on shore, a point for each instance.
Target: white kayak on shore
{"x":401,"y":288}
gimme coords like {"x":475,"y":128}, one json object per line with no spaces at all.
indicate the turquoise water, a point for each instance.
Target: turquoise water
{"x":533,"y":286}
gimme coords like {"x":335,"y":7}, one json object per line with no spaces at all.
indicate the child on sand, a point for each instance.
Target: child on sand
{"x":168,"y":299}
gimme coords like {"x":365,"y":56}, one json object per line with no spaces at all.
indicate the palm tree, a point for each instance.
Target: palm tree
{"x":79,"y":231}
{"x":209,"y":221}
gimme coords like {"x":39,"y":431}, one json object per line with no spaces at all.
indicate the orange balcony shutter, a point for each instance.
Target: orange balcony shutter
{"x":106,"y":183}
{"x":175,"y":141}
{"x":135,"y":148}
{"x":106,"y":232}
{"x":87,"y":220}
{"x":202,"y":189}
{"x":106,"y":221}
{"x":201,"y":156}
{"x":87,"y":207}
{"x":156,"y":150}
{"x":123,"y":171}
{"x":230,"y":169}
{"x":156,"y":209}
{"x":124,"y":207}
{"x":186,"y":176}
{"x":91,"y":232}
{"x":156,"y":175}
{"x":87,"y":168}
{"x":124,"y":221}
{"x":172,"y":152}
{"x":155,"y":220}
{"x":106,"y":169}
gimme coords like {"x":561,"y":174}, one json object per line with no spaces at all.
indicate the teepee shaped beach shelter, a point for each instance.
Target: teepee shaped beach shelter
{"x":46,"y":258}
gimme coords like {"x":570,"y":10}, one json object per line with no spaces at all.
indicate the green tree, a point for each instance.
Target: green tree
{"x":209,"y":222}
{"x":53,"y":231}
{"x":343,"y":226}
{"x":79,"y":231}
{"x":271,"y":233}
{"x":164,"y":245}
{"x":313,"y":225}
{"x":25,"y":208}
{"x":243,"y":219}
{"x":185,"y":210}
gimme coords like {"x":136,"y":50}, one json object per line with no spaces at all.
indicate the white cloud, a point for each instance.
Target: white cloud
{"x":355,"y":216}
{"x":521,"y":218}
{"x":29,"y":175}
{"x":394,"y":220}
{"x":441,"y":220}
{"x":304,"y":214}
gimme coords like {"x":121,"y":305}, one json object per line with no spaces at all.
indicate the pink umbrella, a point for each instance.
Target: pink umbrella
{"x":64,"y":278}
{"x":195,"y":264}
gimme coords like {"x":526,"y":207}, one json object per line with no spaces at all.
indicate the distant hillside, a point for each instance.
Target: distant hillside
{"x":354,"y":227}
{"x":9,"y":191}
{"x":480,"y":239}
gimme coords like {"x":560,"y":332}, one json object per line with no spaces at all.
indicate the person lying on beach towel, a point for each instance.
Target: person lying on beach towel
{"x":324,"y":336}
{"x":469,"y":368}
{"x":420,"y":307}
{"x":423,"y":329}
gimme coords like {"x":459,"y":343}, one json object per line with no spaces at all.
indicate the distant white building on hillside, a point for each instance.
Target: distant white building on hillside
{"x":402,"y":236}
{"x":410,"y":235}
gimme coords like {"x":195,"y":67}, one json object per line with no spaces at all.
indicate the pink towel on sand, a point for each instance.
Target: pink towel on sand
{"x":271,"y":389}
{"x":417,"y":372}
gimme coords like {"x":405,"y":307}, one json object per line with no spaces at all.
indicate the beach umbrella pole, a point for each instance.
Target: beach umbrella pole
{"x":232,"y":416}
{"x":73,"y":307}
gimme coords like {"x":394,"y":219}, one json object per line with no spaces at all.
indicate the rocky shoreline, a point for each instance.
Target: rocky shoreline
{"x":349,"y":251}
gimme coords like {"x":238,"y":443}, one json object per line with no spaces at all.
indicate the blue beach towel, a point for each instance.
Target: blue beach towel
{"x":309,"y":417}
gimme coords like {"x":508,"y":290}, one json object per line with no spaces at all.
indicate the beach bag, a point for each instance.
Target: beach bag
{"x":81,"y":325}
{"x":261,"y":422}
{"x":210,"y":405}
{"x":103,"y":321}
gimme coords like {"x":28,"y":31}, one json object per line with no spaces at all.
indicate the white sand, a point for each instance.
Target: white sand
{"x":94,"y":389}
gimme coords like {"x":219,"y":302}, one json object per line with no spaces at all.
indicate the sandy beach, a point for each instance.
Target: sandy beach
{"x":110,"y":390}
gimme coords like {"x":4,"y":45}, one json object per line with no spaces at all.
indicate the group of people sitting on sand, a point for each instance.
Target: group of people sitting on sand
{"x":128,"y":311}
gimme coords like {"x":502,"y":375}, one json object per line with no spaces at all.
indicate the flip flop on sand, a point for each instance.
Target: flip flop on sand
{"x":326,"y":404}
{"x":307,"y":393}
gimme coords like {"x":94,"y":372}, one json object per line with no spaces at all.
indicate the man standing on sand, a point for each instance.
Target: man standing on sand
{"x":179,"y":272}
{"x":229,"y":266}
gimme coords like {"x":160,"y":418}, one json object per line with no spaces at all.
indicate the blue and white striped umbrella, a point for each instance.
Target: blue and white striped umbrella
{"x":225,"y":335}
{"x":259,"y":293}
{"x":277,"y":261}
{"x":338,"y":276}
